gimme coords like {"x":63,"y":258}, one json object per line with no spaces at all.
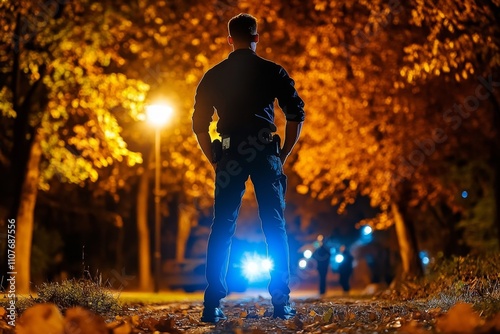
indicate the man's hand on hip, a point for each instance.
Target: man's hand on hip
{"x":283,"y":157}
{"x":292,"y":133}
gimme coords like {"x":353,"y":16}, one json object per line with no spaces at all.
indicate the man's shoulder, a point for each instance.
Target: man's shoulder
{"x":269,"y":62}
{"x":218,"y":68}
{"x":261,"y":62}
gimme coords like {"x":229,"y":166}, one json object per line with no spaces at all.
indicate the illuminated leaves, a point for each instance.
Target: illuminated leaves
{"x":462,"y":39}
{"x":6,"y":106}
{"x":371,"y":74}
{"x":74,"y":57}
{"x":341,"y":152}
{"x":368,"y":111}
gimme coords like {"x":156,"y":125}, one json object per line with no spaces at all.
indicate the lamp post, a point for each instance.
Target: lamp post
{"x":157,"y":115}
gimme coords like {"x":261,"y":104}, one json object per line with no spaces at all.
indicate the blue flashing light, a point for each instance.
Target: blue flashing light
{"x":366,"y":230}
{"x":424,"y":257}
{"x":339,"y":258}
{"x":308,"y":253}
{"x":256,"y":267}
{"x":465,"y":194}
{"x":267,"y":265}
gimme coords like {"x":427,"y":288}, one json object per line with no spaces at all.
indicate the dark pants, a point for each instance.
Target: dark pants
{"x":265,"y":171}
{"x":344,"y":281}
{"x":322,"y":272}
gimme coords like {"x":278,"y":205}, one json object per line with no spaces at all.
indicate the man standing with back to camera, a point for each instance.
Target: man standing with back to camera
{"x":242,"y":90}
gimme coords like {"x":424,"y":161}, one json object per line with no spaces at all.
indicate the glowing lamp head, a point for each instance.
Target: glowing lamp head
{"x":302,"y":264}
{"x":158,"y":114}
{"x":339,"y":258}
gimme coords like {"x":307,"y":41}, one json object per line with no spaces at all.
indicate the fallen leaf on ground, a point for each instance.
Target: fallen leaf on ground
{"x":232,"y":324}
{"x":167,"y":325}
{"x":120,"y":327}
{"x":41,"y":319}
{"x":493,"y":325}
{"x":82,"y":321}
{"x":328,"y":315}
{"x":328,"y":327}
{"x":412,"y":327}
{"x":252,"y":315}
{"x":461,"y":318}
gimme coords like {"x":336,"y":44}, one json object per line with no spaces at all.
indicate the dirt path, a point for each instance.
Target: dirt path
{"x":253,"y":315}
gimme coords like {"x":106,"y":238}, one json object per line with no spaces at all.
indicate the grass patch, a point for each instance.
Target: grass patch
{"x":471,"y":279}
{"x":86,"y":293}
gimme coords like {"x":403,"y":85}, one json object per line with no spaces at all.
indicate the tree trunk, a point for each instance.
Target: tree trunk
{"x":187,"y":219}
{"x":143,"y":236}
{"x":496,"y":162}
{"x":408,"y":249}
{"x":497,"y":197}
{"x":451,"y":236}
{"x":119,"y":242}
{"x":25,"y":217}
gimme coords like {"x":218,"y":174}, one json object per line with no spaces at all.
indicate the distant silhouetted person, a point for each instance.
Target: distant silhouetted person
{"x":322,"y":257}
{"x":345,"y":269}
{"x":243,"y":89}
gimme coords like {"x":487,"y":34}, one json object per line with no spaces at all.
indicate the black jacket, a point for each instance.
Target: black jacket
{"x":242,"y":89}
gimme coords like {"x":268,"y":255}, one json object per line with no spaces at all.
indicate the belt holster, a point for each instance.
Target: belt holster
{"x":276,"y":144}
{"x":216,"y":151}
{"x":229,"y":144}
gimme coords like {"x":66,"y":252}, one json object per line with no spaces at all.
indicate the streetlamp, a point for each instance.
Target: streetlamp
{"x":157,"y":115}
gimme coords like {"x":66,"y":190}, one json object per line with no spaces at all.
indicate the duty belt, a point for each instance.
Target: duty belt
{"x":233,"y":141}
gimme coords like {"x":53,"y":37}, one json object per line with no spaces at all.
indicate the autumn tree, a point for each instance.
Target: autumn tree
{"x":62,"y":91}
{"x":370,"y":129}
{"x":372,"y":74}
{"x":159,"y":53}
{"x":352,"y":127}
{"x":82,"y":61}
{"x":373,"y":129}
{"x":462,"y":47}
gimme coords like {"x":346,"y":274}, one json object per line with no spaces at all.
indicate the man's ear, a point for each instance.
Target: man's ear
{"x":255,"y":38}
{"x":230,"y":40}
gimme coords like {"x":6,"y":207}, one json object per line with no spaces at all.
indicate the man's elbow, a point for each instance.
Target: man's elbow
{"x":294,"y":123}
{"x":298,"y":117}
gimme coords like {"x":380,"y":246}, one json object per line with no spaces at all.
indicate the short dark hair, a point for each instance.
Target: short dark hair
{"x":242,"y":27}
